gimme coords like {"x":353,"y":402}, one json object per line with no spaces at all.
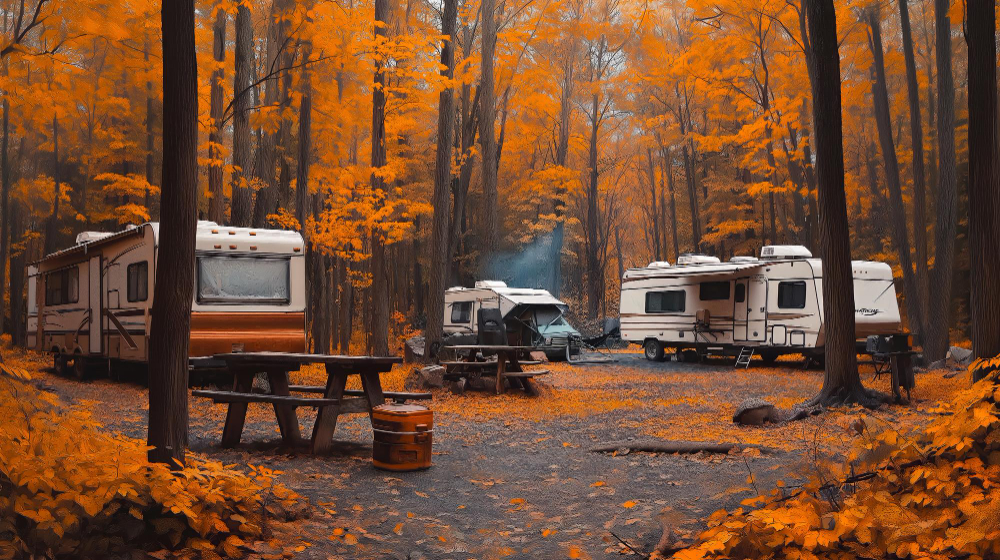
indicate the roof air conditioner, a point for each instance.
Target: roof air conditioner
{"x":689,"y":258}
{"x":779,"y":252}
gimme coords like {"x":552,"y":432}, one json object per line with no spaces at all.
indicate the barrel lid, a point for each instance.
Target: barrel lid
{"x":402,"y":409}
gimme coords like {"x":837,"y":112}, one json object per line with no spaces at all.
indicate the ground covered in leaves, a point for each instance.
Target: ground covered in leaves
{"x":515,"y":476}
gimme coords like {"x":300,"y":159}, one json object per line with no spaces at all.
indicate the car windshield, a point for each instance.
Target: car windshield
{"x":549,"y":316}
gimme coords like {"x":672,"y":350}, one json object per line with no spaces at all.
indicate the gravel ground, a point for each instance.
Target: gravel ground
{"x":513,"y":476}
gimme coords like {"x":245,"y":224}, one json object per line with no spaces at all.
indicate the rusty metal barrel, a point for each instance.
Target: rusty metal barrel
{"x":403,"y":436}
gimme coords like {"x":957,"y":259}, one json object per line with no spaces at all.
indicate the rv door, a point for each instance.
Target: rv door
{"x":750,"y":309}
{"x":96,"y":289}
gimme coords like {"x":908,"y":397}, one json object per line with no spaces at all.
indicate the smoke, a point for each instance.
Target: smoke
{"x":535,"y":265}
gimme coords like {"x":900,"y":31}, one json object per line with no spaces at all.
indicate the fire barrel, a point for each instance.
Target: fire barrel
{"x":403,"y":436}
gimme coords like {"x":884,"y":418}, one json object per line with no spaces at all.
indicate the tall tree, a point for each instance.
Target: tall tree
{"x":487,"y":136}
{"x":217,"y":200}
{"x":841,"y":383}
{"x":5,"y":214}
{"x":919,"y":190}
{"x":442,"y":182}
{"x":984,"y":177}
{"x":242,"y":98}
{"x":939,"y":320}
{"x":379,"y":336}
{"x":897,"y":212}
{"x":170,"y":331}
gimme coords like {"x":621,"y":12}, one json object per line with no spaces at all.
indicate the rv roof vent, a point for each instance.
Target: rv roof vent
{"x":775,"y":252}
{"x":743,"y":260}
{"x":88,"y":236}
{"x":690,"y":258}
{"x":491,"y":284}
{"x":659,"y":264}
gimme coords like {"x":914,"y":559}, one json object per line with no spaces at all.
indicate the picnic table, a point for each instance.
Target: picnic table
{"x":508,"y":366}
{"x":336,"y":398}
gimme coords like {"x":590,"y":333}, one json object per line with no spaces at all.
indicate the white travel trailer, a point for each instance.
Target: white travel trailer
{"x":770,"y":306}
{"x":91,"y":304}
{"x":533,"y":317}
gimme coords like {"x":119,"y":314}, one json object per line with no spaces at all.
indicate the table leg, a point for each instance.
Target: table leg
{"x":372,"y":385}
{"x":237,"y":414}
{"x":326,"y":418}
{"x":501,"y":368}
{"x":514,"y":365}
{"x":288,"y":422}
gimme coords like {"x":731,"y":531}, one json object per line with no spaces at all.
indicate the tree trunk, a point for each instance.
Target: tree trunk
{"x":242,"y":99}
{"x":946,"y":200}
{"x":18,"y":324}
{"x":5,"y":214}
{"x":919,"y":180}
{"x":984,"y":178}
{"x":654,"y":213}
{"x":841,"y":383}
{"x":594,"y":291}
{"x":170,"y":331}
{"x":52,"y":225}
{"x":217,"y":200}
{"x":277,"y":56}
{"x":346,"y":309}
{"x":442,"y":184}
{"x":379,"y":334}
{"x":150,"y":145}
{"x":668,"y":170}
{"x":487,"y":119}
{"x":897,"y":212}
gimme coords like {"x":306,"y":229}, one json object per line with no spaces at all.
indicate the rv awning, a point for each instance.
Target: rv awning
{"x":540,"y":297}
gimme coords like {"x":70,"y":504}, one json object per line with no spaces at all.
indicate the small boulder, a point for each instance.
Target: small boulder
{"x":429,"y":377}
{"x":539,"y":356}
{"x":413,"y":350}
{"x":960,"y":355}
{"x":755,"y":412}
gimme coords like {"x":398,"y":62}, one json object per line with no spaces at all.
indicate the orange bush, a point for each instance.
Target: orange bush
{"x":68,"y":490}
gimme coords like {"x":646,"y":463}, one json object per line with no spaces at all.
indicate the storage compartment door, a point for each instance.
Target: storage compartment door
{"x":96,"y":290}
{"x":757,"y":309}
{"x":740,"y":309}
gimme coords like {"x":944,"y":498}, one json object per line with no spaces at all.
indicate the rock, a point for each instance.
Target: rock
{"x":940,"y":364}
{"x":539,"y":356}
{"x":960,"y":355}
{"x":413,"y":350}
{"x":755,"y":412}
{"x":458,"y":386}
{"x":429,"y":377}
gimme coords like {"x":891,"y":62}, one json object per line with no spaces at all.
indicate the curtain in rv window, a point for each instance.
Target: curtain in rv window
{"x":243,"y":280}
{"x":461,"y":312}
{"x":792,"y":295}
{"x":713,"y":291}
{"x":671,"y":301}
{"x":138,"y":281}
{"x":62,"y":286}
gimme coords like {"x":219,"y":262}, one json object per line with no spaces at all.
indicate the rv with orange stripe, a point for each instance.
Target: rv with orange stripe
{"x":90,"y":305}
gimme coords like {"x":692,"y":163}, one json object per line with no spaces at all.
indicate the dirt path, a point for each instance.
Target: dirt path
{"x":513,"y":476}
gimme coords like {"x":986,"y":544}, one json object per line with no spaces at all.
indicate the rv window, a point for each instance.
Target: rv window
{"x":741,"y":293}
{"x":714,"y":290}
{"x":138,"y":281}
{"x":62,"y":286}
{"x":243,"y":280}
{"x":461,"y":312}
{"x":665,"y":302}
{"x":792,"y":295}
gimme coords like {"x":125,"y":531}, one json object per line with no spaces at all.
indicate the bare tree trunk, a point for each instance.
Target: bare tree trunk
{"x":896,"y":210}
{"x":650,"y":171}
{"x":442,"y":185}
{"x":594,"y":292}
{"x":946,"y":205}
{"x":487,"y":120}
{"x":278,"y":56}
{"x":150,"y":145}
{"x":242,"y":98}
{"x":668,"y":170}
{"x":217,"y":200}
{"x":841,"y":383}
{"x":346,"y":309}
{"x":984,"y":177}
{"x":18,"y":326}
{"x":170,"y":331}
{"x":379,"y":334}
{"x":5,"y":214}
{"x":919,"y":180}
{"x":51,"y":227}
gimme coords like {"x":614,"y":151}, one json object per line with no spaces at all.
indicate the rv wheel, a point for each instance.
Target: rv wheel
{"x":79,"y":368}
{"x":769,"y":357}
{"x":59,"y":364}
{"x":653,"y":350}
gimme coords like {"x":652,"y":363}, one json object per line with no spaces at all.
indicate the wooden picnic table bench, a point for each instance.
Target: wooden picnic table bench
{"x":336,"y":399}
{"x":507,"y":367}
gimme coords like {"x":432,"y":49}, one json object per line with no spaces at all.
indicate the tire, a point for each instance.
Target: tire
{"x":769,"y":357}
{"x":653,"y":350}
{"x":59,"y":364}
{"x":80,"y":369}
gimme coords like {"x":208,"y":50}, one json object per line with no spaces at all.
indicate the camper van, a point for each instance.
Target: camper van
{"x":769,"y":306}
{"x":533,"y":317}
{"x":90,"y":304}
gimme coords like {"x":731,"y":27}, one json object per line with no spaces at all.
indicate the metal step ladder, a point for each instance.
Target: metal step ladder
{"x":744,"y":358}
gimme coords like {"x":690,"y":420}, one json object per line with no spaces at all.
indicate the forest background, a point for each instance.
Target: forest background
{"x":588,"y":136}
